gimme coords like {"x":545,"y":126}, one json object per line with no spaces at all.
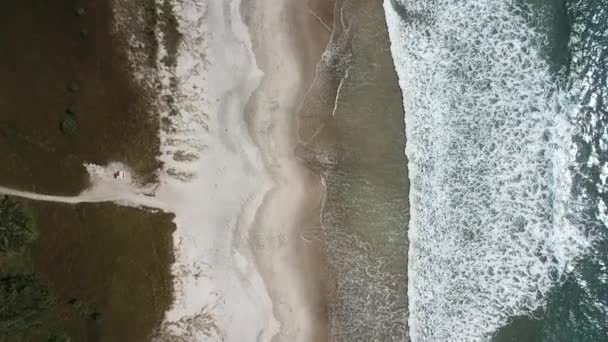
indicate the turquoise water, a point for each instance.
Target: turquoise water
{"x":506,"y":112}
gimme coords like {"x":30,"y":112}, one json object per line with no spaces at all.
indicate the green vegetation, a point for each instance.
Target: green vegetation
{"x":118,"y":285}
{"x":42,"y":147}
{"x":97,"y":273}
{"x":119,"y":281}
{"x":24,"y":310}
{"x":171,"y":35}
{"x":25,"y":302}
{"x":69,"y":123}
{"x":15,"y":226}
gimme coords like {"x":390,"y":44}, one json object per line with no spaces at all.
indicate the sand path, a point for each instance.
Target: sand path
{"x":125,"y":198}
{"x":103,"y":188}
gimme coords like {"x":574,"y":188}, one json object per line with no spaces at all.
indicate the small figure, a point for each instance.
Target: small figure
{"x":119,"y":175}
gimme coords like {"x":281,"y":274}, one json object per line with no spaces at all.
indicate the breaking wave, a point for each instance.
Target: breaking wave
{"x":492,"y":157}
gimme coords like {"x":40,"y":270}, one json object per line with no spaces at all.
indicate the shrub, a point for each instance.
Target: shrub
{"x":15,"y":226}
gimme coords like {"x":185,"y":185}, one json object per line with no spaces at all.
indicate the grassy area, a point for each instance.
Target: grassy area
{"x":92,"y":272}
{"x":48,"y":66}
{"x":25,"y":310}
{"x":25,"y":301}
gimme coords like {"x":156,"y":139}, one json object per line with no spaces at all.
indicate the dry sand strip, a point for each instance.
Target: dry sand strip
{"x":243,"y":270}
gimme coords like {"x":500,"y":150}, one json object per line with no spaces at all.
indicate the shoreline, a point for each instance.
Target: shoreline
{"x":293,"y":267}
{"x":352,"y":133}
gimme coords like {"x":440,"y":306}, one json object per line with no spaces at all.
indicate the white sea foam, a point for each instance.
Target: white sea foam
{"x":489,"y":148}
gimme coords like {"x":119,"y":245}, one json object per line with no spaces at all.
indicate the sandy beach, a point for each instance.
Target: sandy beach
{"x":288,"y":40}
{"x":247,"y":264}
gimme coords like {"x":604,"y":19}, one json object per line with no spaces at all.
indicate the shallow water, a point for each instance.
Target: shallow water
{"x":360,"y":147}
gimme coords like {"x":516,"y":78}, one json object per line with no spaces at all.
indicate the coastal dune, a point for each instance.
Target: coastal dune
{"x":213,"y":178}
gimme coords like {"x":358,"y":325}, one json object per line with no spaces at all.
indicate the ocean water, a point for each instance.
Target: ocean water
{"x":358,"y":146}
{"x":506,"y":120}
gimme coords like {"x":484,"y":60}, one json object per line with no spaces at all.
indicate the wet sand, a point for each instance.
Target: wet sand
{"x":288,"y":39}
